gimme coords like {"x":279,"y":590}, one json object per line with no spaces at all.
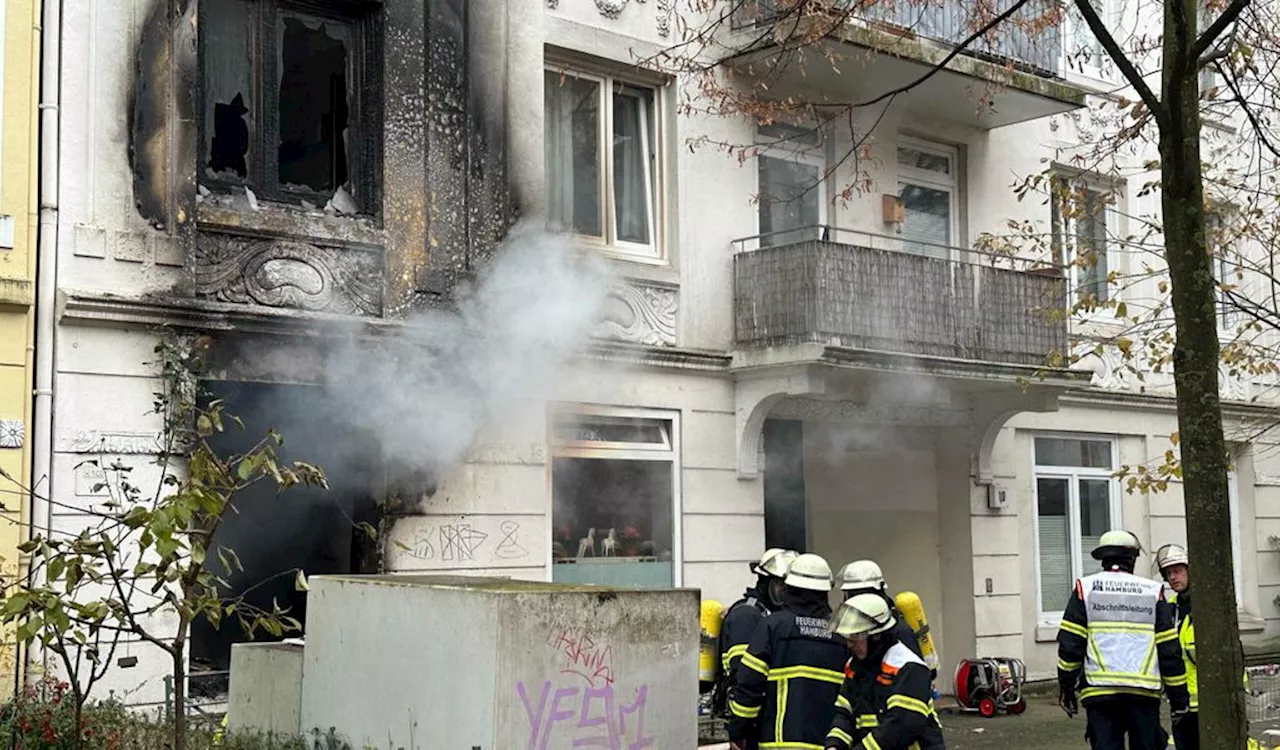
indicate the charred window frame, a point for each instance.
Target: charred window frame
{"x":260,"y":28}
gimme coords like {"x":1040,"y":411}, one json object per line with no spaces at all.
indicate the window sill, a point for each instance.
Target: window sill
{"x":1046,"y":632}
{"x":635,"y":267}
{"x":223,"y":213}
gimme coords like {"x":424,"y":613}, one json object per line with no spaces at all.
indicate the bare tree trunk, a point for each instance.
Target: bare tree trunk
{"x":1223,"y":723}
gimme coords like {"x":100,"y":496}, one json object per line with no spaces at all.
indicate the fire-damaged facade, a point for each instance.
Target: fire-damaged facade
{"x":852,"y":378}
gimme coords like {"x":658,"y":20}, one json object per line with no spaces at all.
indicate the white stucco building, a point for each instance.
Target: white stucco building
{"x":812,"y":372}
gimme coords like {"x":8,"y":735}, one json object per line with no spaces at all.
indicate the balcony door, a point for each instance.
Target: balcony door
{"x":927,"y":187}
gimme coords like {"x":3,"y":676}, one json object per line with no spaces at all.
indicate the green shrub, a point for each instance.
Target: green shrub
{"x":43,"y":718}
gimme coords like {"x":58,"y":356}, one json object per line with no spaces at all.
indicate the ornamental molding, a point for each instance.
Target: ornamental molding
{"x":814,"y":409}
{"x":288,"y":274}
{"x":639,"y":314}
{"x":112,"y":443}
{"x":612,"y":9}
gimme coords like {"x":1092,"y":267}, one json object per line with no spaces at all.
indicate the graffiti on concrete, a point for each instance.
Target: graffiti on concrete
{"x":461,"y":541}
{"x":509,"y":544}
{"x":584,"y":717}
{"x":584,"y":656}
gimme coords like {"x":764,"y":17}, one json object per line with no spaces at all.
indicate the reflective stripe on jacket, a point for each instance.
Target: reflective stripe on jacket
{"x":889,"y":710}
{"x":1119,"y":637}
{"x":785,"y":688}
{"x":1121,"y":612}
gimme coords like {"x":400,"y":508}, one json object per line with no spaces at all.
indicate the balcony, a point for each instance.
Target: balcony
{"x":853,"y":290}
{"x":1009,"y":76}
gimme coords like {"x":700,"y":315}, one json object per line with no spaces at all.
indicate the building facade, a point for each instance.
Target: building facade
{"x":20,"y":72}
{"x":846,"y":373}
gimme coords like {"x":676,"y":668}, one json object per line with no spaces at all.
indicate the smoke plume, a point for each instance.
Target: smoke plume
{"x":425,"y":392}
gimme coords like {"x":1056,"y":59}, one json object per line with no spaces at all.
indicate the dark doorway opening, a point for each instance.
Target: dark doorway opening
{"x":784,"y":508}
{"x":303,"y":528}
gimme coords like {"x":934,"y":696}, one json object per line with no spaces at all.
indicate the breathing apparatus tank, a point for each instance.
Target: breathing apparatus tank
{"x":912,"y":609}
{"x":708,"y":651}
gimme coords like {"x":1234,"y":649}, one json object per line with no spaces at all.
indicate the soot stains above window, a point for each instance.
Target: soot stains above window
{"x":313,"y":105}
{"x":284,"y":99}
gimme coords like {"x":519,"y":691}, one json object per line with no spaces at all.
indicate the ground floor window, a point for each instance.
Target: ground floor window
{"x":1076,"y":502}
{"x":614,"y":480}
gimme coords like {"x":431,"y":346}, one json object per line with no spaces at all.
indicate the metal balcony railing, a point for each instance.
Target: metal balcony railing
{"x":1025,"y":40}
{"x":952,"y":21}
{"x":865,"y":291}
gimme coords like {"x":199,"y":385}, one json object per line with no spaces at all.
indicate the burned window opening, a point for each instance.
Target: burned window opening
{"x":288,"y":100}
{"x":313,"y":105}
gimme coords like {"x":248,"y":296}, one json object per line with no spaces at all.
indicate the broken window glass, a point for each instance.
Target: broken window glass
{"x":225,"y":41}
{"x":314,"y":58}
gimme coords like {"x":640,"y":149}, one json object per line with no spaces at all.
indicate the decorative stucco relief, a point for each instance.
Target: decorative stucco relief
{"x":612,"y":9}
{"x":113,"y":443}
{"x":12,"y":433}
{"x":1112,"y":372}
{"x":278,"y":273}
{"x":849,"y":411}
{"x":640,"y":314}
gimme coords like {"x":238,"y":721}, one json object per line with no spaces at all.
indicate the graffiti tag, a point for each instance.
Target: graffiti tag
{"x":583,"y":656}
{"x":585,"y":717}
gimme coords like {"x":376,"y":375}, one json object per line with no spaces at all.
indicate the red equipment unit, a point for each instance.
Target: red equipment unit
{"x":990,"y":685}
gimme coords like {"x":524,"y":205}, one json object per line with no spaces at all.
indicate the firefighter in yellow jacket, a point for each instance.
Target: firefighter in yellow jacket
{"x":1172,"y":561}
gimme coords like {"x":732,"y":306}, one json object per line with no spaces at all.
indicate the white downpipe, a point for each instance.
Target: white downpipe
{"x":46,"y":269}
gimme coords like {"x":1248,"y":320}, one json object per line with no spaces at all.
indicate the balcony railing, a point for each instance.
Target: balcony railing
{"x":864,"y":291}
{"x":1024,"y":40}
{"x":952,"y":21}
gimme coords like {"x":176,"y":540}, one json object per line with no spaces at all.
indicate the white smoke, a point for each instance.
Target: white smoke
{"x":425,"y":392}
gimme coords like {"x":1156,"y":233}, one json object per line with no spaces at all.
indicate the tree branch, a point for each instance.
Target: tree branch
{"x":1220,"y":24}
{"x":1122,"y":61}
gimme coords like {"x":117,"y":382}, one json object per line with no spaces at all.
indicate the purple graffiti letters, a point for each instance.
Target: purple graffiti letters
{"x":602,"y":720}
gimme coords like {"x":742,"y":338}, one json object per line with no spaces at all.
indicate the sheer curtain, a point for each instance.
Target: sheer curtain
{"x":572,"y":148}
{"x":632,"y":165}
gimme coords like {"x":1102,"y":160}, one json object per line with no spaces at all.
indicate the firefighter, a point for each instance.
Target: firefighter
{"x":1118,"y":644}
{"x":742,"y":617}
{"x":886,"y":699}
{"x":784,"y":691}
{"x":1172,"y":561}
{"x":864,"y":577}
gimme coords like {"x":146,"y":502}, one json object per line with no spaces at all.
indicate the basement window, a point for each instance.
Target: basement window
{"x":613,"y":485}
{"x":285,"y":107}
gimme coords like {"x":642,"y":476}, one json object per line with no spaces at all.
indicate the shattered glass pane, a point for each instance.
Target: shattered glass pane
{"x":313,"y":58}
{"x":225,"y":39}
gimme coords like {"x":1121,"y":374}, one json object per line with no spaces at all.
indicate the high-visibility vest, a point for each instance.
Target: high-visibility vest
{"x":1187,"y":639}
{"x":1121,"y":613}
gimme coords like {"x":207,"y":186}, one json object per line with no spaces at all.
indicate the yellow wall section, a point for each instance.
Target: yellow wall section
{"x":18,"y":198}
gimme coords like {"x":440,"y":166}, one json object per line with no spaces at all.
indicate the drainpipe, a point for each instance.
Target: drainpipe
{"x":46,"y":274}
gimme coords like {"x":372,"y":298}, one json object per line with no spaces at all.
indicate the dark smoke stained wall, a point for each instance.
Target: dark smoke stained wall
{"x":435,"y":203}
{"x":440,"y":199}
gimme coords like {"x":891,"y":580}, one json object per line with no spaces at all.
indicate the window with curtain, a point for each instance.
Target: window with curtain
{"x":792,"y":194}
{"x":927,"y":188}
{"x":1076,"y":503}
{"x":1081,"y":218}
{"x":601,"y":148}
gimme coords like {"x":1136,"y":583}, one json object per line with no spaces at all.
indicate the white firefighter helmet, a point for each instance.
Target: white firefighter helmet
{"x":1171,"y":555}
{"x":861,"y":574}
{"x":863,"y":614}
{"x":809,"y":571}
{"x":774,"y":562}
{"x":1117,"y":543}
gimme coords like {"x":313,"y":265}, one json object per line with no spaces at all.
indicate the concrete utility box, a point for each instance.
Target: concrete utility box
{"x":266,"y":688}
{"x":426,"y":662}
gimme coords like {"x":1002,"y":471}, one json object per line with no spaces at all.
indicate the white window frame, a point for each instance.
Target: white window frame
{"x":1237,"y":551}
{"x":1072,"y":475}
{"x":1101,"y":72}
{"x":1067,"y":240}
{"x":625,"y":452}
{"x":925,"y":178}
{"x":809,"y":154}
{"x":655,"y":178}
